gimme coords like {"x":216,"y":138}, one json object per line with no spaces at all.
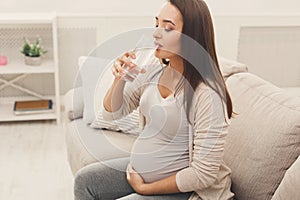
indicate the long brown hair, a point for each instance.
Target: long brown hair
{"x":198,"y":25}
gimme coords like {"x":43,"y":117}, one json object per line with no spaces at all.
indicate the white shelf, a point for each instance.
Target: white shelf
{"x":47,"y":66}
{"x":7,"y":112}
{"x":16,"y":75}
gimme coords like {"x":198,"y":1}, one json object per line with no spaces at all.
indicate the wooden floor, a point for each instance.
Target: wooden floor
{"x":33,"y":162}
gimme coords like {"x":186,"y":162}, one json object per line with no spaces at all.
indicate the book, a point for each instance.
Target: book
{"x":33,"y":107}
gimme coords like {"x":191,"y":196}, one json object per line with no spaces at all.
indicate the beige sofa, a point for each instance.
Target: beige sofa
{"x":262,"y":147}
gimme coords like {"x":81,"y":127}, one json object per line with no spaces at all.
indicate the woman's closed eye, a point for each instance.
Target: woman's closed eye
{"x":166,"y":29}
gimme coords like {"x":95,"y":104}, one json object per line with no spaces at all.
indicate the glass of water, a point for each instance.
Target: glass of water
{"x":144,"y":50}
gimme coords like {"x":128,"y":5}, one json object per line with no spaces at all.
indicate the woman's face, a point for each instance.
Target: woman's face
{"x":167,"y":36}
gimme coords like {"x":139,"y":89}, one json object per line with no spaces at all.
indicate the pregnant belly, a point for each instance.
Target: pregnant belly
{"x":155,"y":159}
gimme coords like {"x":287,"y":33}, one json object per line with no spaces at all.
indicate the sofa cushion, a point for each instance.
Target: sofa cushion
{"x":86,"y":145}
{"x":91,"y":70}
{"x":128,"y":124}
{"x":96,"y":79}
{"x":263,"y":139}
{"x":289,"y":187}
{"x":73,"y":103}
{"x":230,"y":67}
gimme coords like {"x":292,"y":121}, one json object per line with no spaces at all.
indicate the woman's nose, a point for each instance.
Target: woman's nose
{"x":157,"y":33}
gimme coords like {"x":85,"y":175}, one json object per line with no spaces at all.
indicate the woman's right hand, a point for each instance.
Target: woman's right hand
{"x":123,"y":65}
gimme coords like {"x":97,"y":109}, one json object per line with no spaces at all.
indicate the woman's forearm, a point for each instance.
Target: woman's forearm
{"x":114,"y":97}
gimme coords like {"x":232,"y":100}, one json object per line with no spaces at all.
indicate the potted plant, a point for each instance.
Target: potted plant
{"x":32,"y":52}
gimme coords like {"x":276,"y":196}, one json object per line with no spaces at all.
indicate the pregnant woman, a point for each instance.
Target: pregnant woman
{"x":186,"y":110}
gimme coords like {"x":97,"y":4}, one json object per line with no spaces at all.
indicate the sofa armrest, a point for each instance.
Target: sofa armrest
{"x":73,"y":101}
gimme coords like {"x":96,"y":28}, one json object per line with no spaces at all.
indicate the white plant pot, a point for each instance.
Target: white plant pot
{"x":34,"y":61}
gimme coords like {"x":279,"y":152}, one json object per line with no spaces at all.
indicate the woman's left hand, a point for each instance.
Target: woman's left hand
{"x":134,"y":179}
{"x":164,"y":186}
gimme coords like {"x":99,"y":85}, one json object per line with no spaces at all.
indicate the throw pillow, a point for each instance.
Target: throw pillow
{"x":73,"y":101}
{"x":128,"y":124}
{"x":263,"y":139}
{"x":96,"y":79}
{"x":91,"y":69}
{"x":230,"y":67}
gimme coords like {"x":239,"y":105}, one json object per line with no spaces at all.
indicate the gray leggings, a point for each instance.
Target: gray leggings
{"x":107,"y":180}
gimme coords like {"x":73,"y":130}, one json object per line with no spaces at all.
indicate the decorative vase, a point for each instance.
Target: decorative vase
{"x":34,"y":61}
{"x":3,"y":60}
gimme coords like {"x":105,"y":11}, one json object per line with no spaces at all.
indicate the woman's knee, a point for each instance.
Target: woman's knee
{"x":85,"y":181}
{"x":81,"y":178}
{"x":101,"y":180}
{"x":80,"y":185}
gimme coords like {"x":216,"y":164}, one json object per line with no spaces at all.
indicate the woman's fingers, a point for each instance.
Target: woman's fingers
{"x":124,"y":65}
{"x":116,"y":73}
{"x":130,"y":54}
{"x":143,"y":71}
{"x":127,"y":61}
{"x":117,"y":69}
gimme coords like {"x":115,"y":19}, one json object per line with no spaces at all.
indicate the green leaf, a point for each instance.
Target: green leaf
{"x":32,"y":50}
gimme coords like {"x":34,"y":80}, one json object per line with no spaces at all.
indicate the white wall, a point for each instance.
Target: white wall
{"x":149,"y":7}
{"x":254,"y":7}
{"x":82,"y":6}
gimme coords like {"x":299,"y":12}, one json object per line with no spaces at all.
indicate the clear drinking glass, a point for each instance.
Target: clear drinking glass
{"x":144,"y":50}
